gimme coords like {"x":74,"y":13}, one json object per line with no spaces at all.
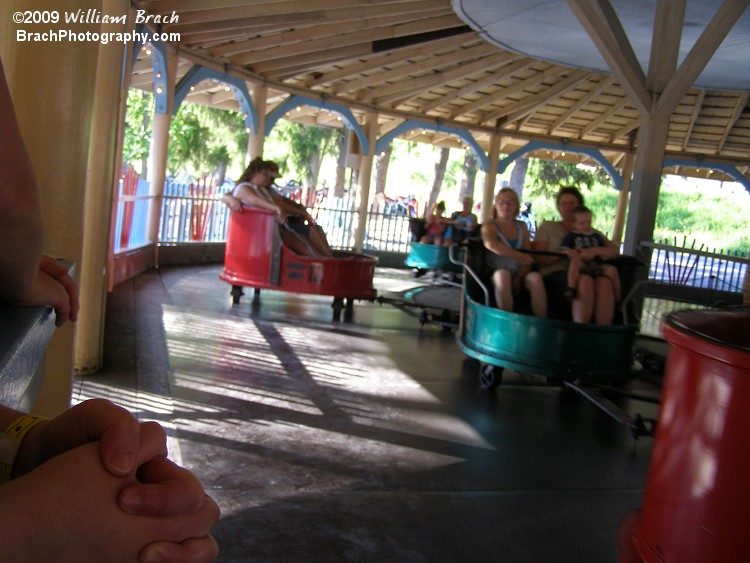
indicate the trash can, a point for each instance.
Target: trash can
{"x":697,"y":501}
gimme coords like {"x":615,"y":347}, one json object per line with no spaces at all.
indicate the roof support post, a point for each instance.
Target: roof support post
{"x":490,"y":178}
{"x":104,"y":160}
{"x":365,"y":173}
{"x":649,"y":158}
{"x":622,"y":199}
{"x":257,"y":137}
{"x":157,"y":166}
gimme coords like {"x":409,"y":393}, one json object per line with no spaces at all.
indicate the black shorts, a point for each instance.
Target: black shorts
{"x":298,"y":225}
{"x":556,"y":283}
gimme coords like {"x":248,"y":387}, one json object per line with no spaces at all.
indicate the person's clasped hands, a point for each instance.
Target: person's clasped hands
{"x":96,"y":453}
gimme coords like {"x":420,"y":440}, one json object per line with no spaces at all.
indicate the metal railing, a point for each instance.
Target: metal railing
{"x":131,"y":223}
{"x":189,"y":214}
{"x":696,"y":267}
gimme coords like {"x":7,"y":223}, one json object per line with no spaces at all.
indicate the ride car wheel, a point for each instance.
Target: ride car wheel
{"x":490,"y":376}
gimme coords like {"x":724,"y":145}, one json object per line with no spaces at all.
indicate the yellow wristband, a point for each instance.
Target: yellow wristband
{"x":11,"y":440}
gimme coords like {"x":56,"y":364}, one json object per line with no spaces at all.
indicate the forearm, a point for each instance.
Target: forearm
{"x":248,"y":197}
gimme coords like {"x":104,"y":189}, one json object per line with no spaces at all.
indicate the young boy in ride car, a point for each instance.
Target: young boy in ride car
{"x":584,"y":236}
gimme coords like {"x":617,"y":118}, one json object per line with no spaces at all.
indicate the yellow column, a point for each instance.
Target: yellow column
{"x":258,"y":137}
{"x":53,"y":86}
{"x":98,"y":205}
{"x":365,"y":173}
{"x":622,"y":200}
{"x":157,"y":158}
{"x":490,"y":179}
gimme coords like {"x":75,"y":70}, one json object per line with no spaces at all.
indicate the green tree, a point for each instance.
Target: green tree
{"x":547,"y":176}
{"x":306,"y":145}
{"x":137,"y":138}
{"x":204,"y":140}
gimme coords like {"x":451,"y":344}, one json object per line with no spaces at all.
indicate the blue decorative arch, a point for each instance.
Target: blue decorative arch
{"x":727,"y":169}
{"x":200,"y":73}
{"x":410,"y":124}
{"x":158,"y":64}
{"x":594,"y":154}
{"x":346,"y":115}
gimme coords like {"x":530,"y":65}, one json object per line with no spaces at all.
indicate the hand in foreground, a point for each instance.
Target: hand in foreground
{"x":59,"y":272}
{"x":50,"y":292}
{"x":124,"y":445}
{"x":66,"y":511}
{"x":97,"y":420}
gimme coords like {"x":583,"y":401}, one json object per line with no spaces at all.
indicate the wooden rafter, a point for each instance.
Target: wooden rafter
{"x":693,"y":117}
{"x":271,"y":52}
{"x":438,"y":65}
{"x":405,"y":89}
{"x":496,"y":66}
{"x":603,"y":84}
{"x":602,"y":25}
{"x":531,"y":103}
{"x":507,"y":93}
{"x":739,"y":107}
{"x":606,"y":116}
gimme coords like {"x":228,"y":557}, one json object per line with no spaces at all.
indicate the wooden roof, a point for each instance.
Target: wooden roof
{"x":416,"y":59}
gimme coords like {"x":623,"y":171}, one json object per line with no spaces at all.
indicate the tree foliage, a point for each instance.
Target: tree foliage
{"x":202,"y":140}
{"x":546,"y":177}
{"x":306,"y":146}
{"x":137,"y":140}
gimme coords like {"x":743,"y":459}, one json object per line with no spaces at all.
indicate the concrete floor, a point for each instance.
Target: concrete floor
{"x":367,"y":440}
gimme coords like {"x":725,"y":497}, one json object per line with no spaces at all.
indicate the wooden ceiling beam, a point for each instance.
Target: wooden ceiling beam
{"x":531,"y":103}
{"x":604,"y":117}
{"x":497,"y":67}
{"x":693,"y":118}
{"x":599,"y":20}
{"x":665,"y":43}
{"x":701,"y":52}
{"x":388,"y":58}
{"x":625,"y":130}
{"x":413,"y":86}
{"x":484,"y":101}
{"x":283,"y":21}
{"x":346,"y":39}
{"x":281,"y":68}
{"x":317,"y":33}
{"x":193,"y":11}
{"x":479,"y":53}
{"x":739,"y":107}
{"x":604,"y":83}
